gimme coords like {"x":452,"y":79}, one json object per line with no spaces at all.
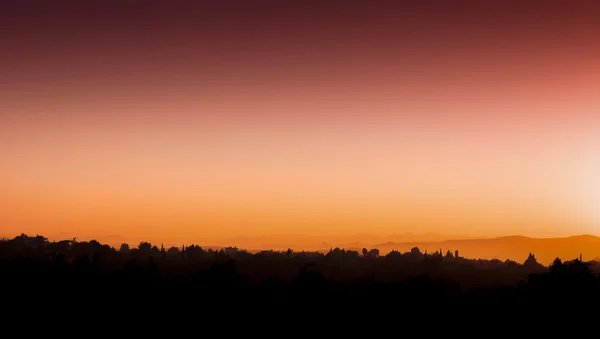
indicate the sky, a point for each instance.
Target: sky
{"x":209,"y":120}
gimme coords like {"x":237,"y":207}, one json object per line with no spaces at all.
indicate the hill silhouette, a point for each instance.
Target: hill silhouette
{"x":510,"y":247}
{"x":314,"y":242}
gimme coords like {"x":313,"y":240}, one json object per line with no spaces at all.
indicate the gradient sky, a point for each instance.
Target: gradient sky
{"x":154,"y":119}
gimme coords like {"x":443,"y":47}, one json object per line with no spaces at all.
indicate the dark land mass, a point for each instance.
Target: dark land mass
{"x":340,"y":289}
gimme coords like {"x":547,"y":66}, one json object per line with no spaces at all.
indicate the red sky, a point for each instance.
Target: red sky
{"x":153,"y":119}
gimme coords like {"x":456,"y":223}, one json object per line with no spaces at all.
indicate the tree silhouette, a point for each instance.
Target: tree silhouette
{"x":124,"y":248}
{"x":339,"y":281}
{"x":145,"y":247}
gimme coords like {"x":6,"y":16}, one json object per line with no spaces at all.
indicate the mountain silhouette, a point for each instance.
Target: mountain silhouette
{"x":509,"y":247}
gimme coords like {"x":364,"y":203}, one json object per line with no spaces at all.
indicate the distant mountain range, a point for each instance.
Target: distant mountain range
{"x":516,"y":248}
{"x":314,"y":242}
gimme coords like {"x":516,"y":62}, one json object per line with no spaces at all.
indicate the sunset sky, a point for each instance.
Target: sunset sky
{"x":160,"y":119}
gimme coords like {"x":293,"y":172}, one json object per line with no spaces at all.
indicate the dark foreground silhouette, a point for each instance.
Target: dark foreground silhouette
{"x":69,"y":279}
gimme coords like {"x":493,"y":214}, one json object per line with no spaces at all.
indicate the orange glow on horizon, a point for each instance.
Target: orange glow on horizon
{"x":480,"y":123}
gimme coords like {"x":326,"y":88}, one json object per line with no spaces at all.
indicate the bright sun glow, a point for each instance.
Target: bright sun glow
{"x":588,"y":184}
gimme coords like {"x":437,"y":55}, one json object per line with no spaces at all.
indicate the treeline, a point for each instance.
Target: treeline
{"x":148,"y":276}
